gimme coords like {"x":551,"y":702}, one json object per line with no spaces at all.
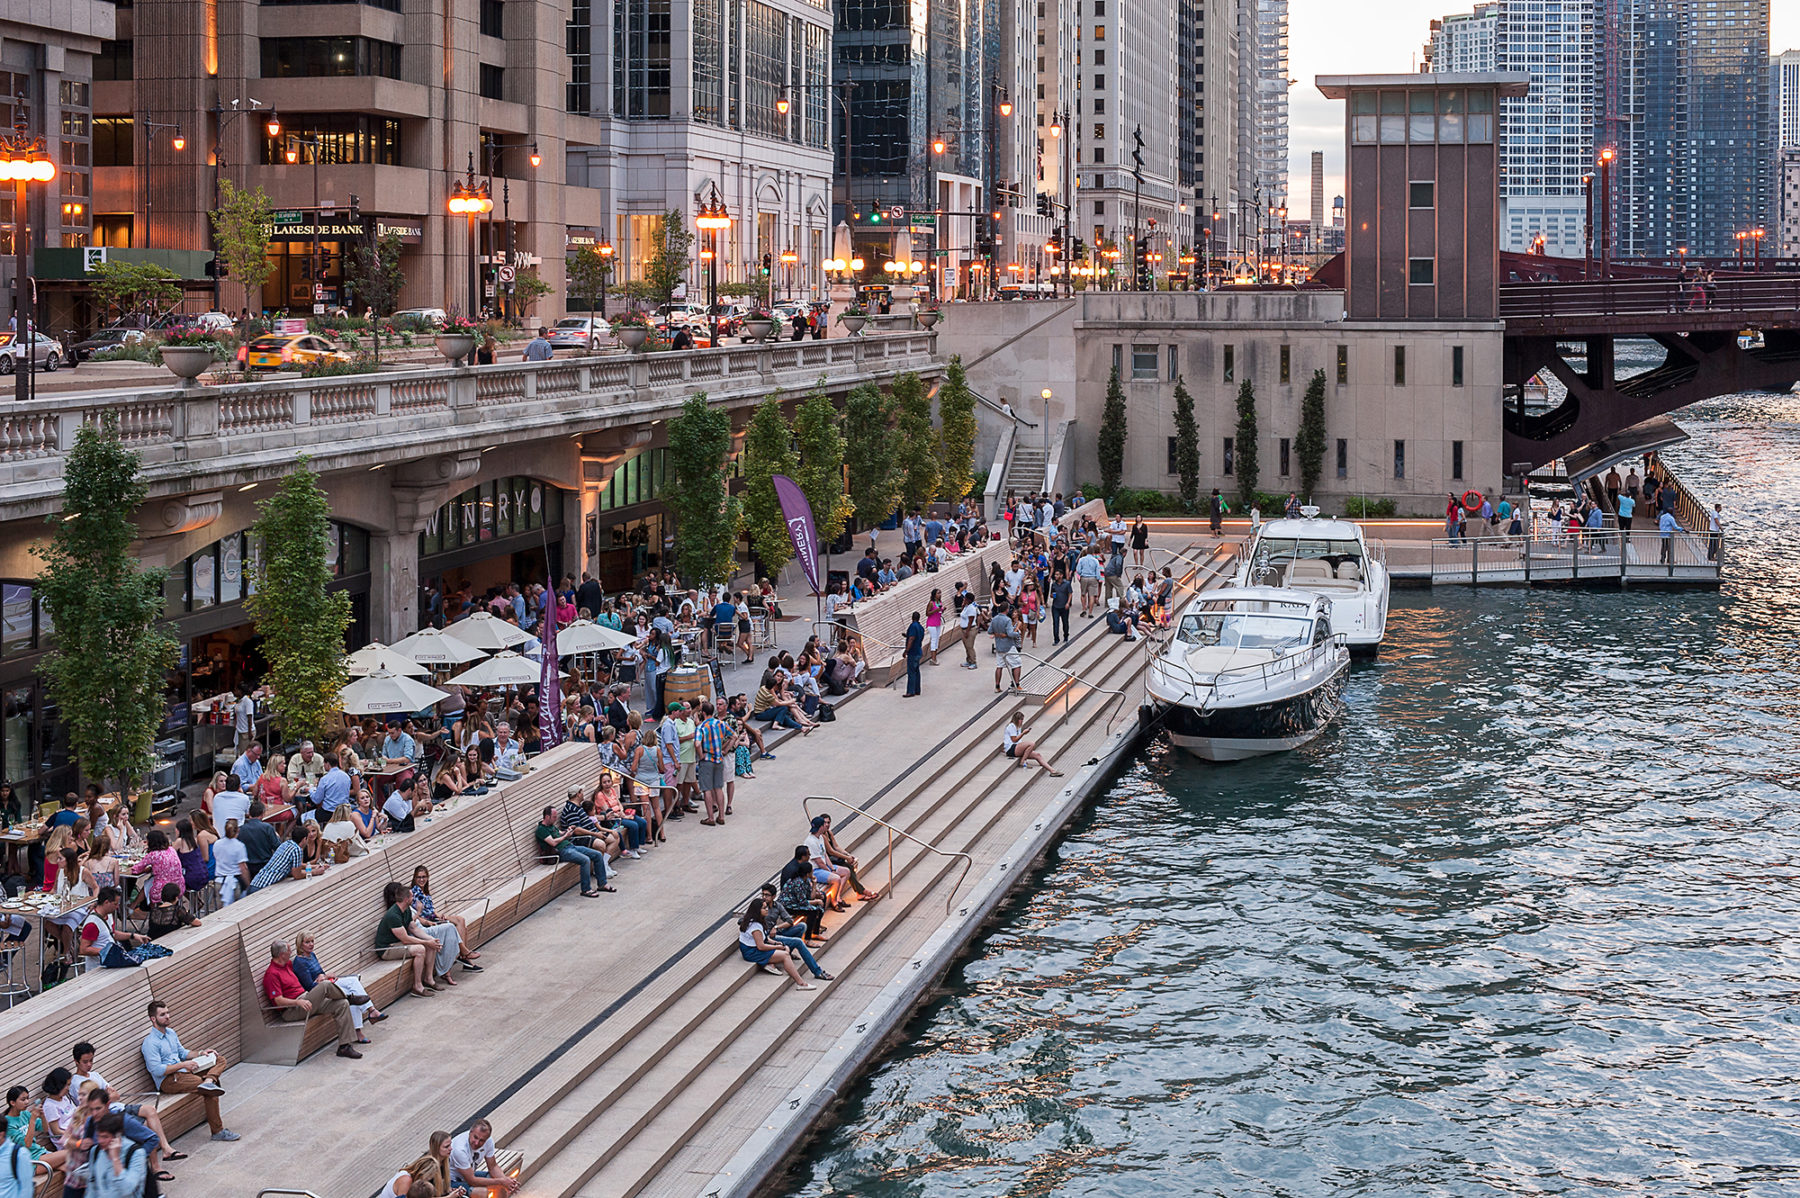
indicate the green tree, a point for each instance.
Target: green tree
{"x":917,"y":458}
{"x":376,"y":276}
{"x":528,"y":288}
{"x":821,"y":470}
{"x":1243,"y":450}
{"x":1187,"y":446}
{"x":107,"y":674}
{"x":871,"y":454}
{"x":300,"y":618}
{"x":707,"y":516}
{"x":667,"y":266}
{"x":1112,"y":437}
{"x":589,"y":273}
{"x":1309,"y":443}
{"x":136,"y":286}
{"x":241,"y":233}
{"x":956,"y":433}
{"x":768,"y":451}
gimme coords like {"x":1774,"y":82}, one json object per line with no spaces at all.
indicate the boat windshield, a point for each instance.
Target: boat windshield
{"x":1287,"y":549}
{"x":1243,"y":630}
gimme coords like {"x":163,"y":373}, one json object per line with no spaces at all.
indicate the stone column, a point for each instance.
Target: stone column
{"x":419,"y":489}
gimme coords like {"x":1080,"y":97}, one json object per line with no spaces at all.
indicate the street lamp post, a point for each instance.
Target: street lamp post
{"x":1606,"y":159}
{"x":605,"y":251}
{"x":223,"y":117}
{"x":471,"y":199}
{"x":788,"y":258}
{"x":712,"y":217}
{"x":493,"y":150}
{"x":1587,"y":246}
{"x":25,"y":160}
{"x":178,"y":143}
{"x":293,"y":156}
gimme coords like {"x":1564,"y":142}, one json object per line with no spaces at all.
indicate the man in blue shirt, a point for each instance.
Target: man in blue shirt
{"x":289,"y":861}
{"x":539,"y":349}
{"x":915,"y":650}
{"x":174,"y":1070}
{"x":333,"y":790}
{"x":248,"y":766}
{"x":1667,"y":524}
{"x":399,"y":744}
{"x":69,"y":815}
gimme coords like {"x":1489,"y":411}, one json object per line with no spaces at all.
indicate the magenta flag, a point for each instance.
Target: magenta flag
{"x":550,"y":725}
{"x":799,"y":516}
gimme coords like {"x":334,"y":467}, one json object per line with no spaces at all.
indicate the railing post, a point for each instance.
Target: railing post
{"x":1474,"y":561}
{"x":890,"y":856}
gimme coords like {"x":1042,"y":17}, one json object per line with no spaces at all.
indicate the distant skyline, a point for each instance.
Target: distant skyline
{"x":1340,"y":39}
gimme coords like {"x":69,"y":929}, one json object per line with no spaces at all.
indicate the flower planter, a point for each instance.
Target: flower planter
{"x":186,"y":362}
{"x":928,"y":317}
{"x":455,"y":347}
{"x":760,"y":330}
{"x":632,"y":336}
{"x":854,"y":323}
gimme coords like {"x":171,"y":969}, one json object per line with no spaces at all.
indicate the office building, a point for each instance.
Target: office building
{"x":1784,"y":230}
{"x":1316,"y":211}
{"x":1465,"y":42}
{"x":1128,"y":130}
{"x":1272,"y":101}
{"x":1784,"y":82}
{"x":1207,"y":131}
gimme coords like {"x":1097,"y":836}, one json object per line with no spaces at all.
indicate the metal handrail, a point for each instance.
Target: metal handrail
{"x":1118,"y":696}
{"x":968,"y":861}
{"x":1286,"y":663}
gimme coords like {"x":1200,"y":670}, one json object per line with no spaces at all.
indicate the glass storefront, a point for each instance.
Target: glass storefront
{"x":505,"y":530}
{"x":34,"y":751}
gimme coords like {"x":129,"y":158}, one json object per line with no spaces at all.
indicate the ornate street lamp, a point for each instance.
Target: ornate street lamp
{"x":472,"y":199}
{"x":712,"y":217}
{"x":24,"y":160}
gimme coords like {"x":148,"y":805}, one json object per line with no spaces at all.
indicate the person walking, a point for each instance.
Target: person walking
{"x":1006,"y":645}
{"x":1140,"y":540}
{"x":1667,"y":525}
{"x":967,"y":618}
{"x":1215,"y":511}
{"x":1062,"y":592}
{"x":934,"y":622}
{"x":915,"y":651}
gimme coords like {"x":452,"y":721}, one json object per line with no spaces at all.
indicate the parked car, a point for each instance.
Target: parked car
{"x":106,"y":339}
{"x":572,"y":332}
{"x":215,"y":322}
{"x":292,"y":349}
{"x":680,"y":312}
{"x":46,"y":352}
{"x":430,"y":316}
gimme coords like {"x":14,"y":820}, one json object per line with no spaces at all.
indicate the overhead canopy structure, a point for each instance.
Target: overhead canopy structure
{"x":387,"y":693}
{"x":1654,"y":433}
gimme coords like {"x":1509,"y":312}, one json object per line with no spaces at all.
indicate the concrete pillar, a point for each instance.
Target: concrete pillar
{"x":393,"y":585}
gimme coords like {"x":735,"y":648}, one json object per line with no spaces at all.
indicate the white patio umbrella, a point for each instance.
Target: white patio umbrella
{"x":435,"y":647}
{"x":585,"y":636}
{"x":377,"y":656}
{"x":385,"y":692}
{"x":488,"y":632}
{"x":505,"y":668}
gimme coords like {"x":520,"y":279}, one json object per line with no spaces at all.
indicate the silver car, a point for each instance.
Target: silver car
{"x":45,"y":351}
{"x":578,"y":332}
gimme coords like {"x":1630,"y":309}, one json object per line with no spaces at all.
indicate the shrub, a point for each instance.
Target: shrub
{"x":141,"y":351}
{"x":1358,"y":508}
{"x":360,"y":364}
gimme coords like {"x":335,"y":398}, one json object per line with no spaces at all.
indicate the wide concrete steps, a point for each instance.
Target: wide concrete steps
{"x":714,"y":1042}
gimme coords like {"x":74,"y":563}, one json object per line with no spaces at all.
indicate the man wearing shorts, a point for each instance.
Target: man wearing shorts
{"x":712,"y":739}
{"x":687,"y":774}
{"x":1087,"y":569}
{"x":1006,"y":645}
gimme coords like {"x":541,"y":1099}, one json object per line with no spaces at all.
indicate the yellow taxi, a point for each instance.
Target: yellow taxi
{"x":292,"y":349}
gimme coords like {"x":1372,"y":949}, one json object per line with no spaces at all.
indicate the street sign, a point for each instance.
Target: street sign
{"x":327,"y":207}
{"x":924,"y":222}
{"x":318,"y":309}
{"x":318,"y":291}
{"x":507,"y":274}
{"x":896,"y":212}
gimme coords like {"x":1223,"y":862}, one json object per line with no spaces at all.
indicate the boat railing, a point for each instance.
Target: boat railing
{"x":892,"y":831}
{"x":1259,"y":672}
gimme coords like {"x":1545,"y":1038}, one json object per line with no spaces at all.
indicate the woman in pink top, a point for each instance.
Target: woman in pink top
{"x":934,"y":622}
{"x":162,"y":862}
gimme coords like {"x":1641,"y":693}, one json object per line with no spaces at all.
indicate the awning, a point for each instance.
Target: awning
{"x":1591,"y":459}
{"x":57,"y":263}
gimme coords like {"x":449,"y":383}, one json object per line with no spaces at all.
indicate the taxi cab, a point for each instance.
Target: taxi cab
{"x":294,"y":349}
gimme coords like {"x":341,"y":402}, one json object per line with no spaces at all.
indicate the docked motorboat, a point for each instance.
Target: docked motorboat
{"x":1329,"y":558}
{"x":1249,"y":671}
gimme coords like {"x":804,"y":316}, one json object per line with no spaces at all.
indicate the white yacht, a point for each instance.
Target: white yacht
{"x":1324,"y":557}
{"x":1249,"y":671}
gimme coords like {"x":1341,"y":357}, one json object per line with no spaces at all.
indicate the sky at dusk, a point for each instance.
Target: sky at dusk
{"x":1330,"y":37}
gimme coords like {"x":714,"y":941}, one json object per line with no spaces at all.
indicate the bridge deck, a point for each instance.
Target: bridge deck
{"x":1626,"y":307}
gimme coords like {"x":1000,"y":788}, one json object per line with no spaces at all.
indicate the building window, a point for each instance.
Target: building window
{"x":1230,"y":363}
{"x":1399,"y":459}
{"x":1174,"y":458}
{"x":1118,"y":359}
{"x":1456,"y":459}
{"x":1226,"y":461}
{"x":641,"y":72}
{"x":1343,"y":364}
{"x":348,"y":138}
{"x":1286,"y":457}
{"x":493,"y":81}
{"x":1421,"y":272}
{"x":1099,"y":83}
{"x":1456,"y":368}
{"x":113,"y":63}
{"x":320,"y":57}
{"x":114,"y":144}
{"x":1099,"y":153}
{"x":1399,"y":366}
{"x":1099,"y":33}
{"x":1287,"y":364}
{"x":1174,"y":363}
{"x":1143,"y":363}
{"x":1421,"y":195}
{"x":1343,"y":458}
{"x":493,"y":18}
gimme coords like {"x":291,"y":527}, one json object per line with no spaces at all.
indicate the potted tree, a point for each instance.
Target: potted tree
{"x":632,"y":329}
{"x":759,"y":325}
{"x":854,"y":317}
{"x":456,"y":340}
{"x":187,"y":355}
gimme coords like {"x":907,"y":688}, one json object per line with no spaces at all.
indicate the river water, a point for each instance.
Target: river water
{"x":1523,"y":923}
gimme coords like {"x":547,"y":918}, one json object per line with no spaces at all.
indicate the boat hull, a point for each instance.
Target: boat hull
{"x":1255,"y":730}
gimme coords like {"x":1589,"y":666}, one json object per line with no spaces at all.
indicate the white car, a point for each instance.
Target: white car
{"x":435,"y":316}
{"x":213,"y":322}
{"x":574,"y":332}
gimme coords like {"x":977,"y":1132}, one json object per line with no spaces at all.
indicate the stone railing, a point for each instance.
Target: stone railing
{"x":202,"y":438}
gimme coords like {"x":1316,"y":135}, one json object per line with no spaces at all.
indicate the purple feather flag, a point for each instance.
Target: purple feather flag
{"x":550,"y":725}
{"x":805,"y":535}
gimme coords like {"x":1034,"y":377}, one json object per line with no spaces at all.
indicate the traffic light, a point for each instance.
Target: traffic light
{"x":1043,"y":204}
{"x":768,"y":261}
{"x":1080,"y":250}
{"x":1140,"y":252}
{"x":875,"y":216}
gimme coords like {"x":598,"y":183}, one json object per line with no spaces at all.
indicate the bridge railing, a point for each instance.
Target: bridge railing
{"x":1621,"y":298}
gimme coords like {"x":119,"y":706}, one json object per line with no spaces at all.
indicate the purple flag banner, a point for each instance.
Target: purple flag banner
{"x":550,"y":725}
{"x":799,"y":516}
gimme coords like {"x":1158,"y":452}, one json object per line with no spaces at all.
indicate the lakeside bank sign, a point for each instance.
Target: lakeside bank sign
{"x":295,"y":224}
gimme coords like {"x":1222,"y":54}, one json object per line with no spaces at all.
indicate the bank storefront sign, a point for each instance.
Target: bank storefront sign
{"x":299,"y":224}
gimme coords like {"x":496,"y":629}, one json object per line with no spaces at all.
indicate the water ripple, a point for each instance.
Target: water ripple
{"x":1523,"y":925}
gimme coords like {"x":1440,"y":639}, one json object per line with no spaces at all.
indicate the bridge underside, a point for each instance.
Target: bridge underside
{"x":1699,"y":365}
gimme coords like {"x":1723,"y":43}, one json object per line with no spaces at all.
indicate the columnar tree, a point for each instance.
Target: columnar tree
{"x":376,"y":276}
{"x":667,"y":267}
{"x":768,"y":451}
{"x":107,"y":674}
{"x":956,"y":433}
{"x":918,"y":459}
{"x":1187,"y":446}
{"x":821,"y":470}
{"x":300,"y":618}
{"x":241,"y":233}
{"x":707,"y":516}
{"x":1112,"y":437}
{"x":871,"y":454}
{"x":1243,"y":450}
{"x":1309,"y":443}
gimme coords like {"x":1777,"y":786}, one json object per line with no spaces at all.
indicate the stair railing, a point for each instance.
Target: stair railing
{"x":892,"y":831}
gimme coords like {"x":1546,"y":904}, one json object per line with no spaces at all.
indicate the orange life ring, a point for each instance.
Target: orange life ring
{"x":1473,"y":500}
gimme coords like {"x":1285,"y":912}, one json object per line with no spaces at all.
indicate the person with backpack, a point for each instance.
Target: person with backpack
{"x":116,"y":1166}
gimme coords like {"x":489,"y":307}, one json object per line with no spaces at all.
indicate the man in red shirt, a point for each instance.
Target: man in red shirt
{"x":285,"y":994}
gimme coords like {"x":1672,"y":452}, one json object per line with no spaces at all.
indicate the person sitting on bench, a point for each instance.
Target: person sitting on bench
{"x":297,"y":1004}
